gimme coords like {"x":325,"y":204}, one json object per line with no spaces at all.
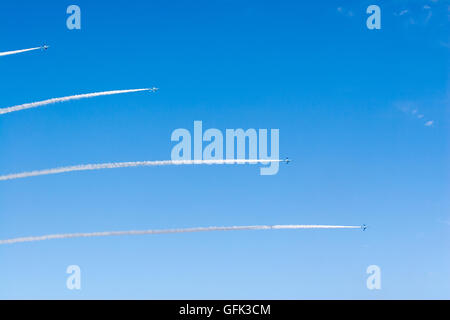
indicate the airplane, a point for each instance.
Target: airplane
{"x":44,"y":47}
{"x":287,"y":160}
{"x":363,"y":227}
{"x":154,"y":89}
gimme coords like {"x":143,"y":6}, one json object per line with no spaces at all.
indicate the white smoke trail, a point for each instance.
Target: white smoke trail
{"x":165,"y":231}
{"x":114,"y":165}
{"x":64,"y":99}
{"x":7,"y":53}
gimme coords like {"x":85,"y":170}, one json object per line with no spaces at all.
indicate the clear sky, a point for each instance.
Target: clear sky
{"x":364,"y":114}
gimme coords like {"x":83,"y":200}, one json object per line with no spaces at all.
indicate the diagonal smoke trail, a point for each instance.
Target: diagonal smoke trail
{"x":114,"y":165}
{"x":7,"y":53}
{"x":165,"y":231}
{"x":69,"y":98}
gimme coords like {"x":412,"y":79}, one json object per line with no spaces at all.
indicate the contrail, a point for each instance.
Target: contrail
{"x":114,"y":165}
{"x":165,"y":231}
{"x":69,"y":98}
{"x":7,"y":53}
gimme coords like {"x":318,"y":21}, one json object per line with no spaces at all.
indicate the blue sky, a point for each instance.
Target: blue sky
{"x":345,"y":99}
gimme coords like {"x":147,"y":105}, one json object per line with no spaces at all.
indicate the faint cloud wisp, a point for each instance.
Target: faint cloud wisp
{"x":412,"y":109}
